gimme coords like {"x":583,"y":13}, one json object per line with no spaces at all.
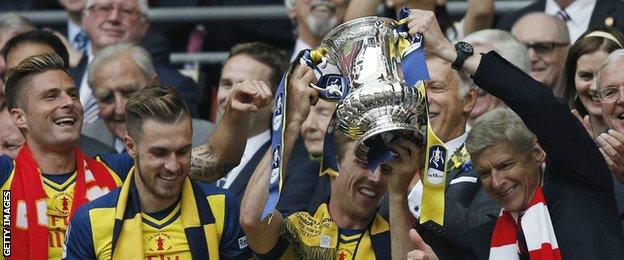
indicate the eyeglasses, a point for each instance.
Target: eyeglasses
{"x":545,"y":47}
{"x":106,"y":9}
{"x":609,"y":94}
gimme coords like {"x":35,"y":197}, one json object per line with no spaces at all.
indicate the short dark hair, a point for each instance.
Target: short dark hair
{"x":18,"y":77}
{"x":39,"y":37}
{"x":162,"y":104}
{"x":265,"y":54}
{"x":585,"y":45}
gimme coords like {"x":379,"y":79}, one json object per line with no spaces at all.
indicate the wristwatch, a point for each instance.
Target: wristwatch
{"x":464,"y":50}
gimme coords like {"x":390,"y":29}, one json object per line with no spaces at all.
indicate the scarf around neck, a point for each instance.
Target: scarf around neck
{"x":197,"y":219}
{"x":537,"y":228}
{"x":30,"y":234}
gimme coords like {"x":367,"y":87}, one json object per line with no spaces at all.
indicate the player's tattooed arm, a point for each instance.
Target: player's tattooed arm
{"x":208,"y":166}
{"x":224,"y":150}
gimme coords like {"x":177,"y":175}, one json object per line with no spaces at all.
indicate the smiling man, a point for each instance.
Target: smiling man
{"x":564,"y":209}
{"x":159,"y":212}
{"x":115,"y":73}
{"x":548,"y":41}
{"x":51,"y":177}
{"x":348,"y":224}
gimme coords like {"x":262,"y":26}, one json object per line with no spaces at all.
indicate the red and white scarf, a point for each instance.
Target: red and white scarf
{"x":30,"y":230}
{"x":537,"y":228}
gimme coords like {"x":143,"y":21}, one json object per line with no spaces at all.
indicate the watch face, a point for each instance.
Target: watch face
{"x":465,"y":47}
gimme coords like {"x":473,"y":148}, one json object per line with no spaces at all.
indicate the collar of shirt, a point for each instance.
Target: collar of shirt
{"x":72,"y":30}
{"x":580,"y":12}
{"x":453,"y":145}
{"x":253,"y":145}
{"x":119,"y":145}
{"x":299,"y":46}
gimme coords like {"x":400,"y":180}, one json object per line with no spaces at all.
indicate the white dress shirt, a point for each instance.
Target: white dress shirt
{"x":253,"y":145}
{"x":580,"y":12}
{"x":414,"y":198}
{"x":299,"y":46}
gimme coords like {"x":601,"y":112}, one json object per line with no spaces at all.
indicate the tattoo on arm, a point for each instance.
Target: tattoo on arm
{"x":207,"y":166}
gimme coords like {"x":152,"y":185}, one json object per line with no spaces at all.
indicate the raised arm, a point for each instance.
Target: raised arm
{"x":224,"y":149}
{"x":560,"y":134}
{"x":264,"y":235}
{"x":402,"y":171}
{"x":361,"y":8}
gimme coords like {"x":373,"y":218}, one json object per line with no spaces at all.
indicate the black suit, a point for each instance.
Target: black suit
{"x":604,"y":9}
{"x":168,"y":77}
{"x":577,"y":183}
{"x":447,"y":241}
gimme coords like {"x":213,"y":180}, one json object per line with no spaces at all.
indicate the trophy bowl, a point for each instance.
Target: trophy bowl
{"x":379,"y":103}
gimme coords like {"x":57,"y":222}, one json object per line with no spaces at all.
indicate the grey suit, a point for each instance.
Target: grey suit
{"x":202,"y":130}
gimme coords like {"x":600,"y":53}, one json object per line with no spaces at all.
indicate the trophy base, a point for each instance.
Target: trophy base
{"x":387,"y":133}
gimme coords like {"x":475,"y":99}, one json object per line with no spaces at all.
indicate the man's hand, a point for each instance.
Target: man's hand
{"x":424,"y":22}
{"x":423,"y":251}
{"x":612,"y":148}
{"x":300,"y":95}
{"x":250,"y":96}
{"x":404,"y":166}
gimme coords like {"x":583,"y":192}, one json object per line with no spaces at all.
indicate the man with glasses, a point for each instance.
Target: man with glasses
{"x":109,"y":22}
{"x":610,"y":82}
{"x":548,"y":41}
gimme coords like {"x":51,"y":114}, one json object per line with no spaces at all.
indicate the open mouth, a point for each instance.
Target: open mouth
{"x":65,"y":121}
{"x":322,"y":6}
{"x":367,"y":193}
{"x":506,"y":192}
{"x":169,"y":178}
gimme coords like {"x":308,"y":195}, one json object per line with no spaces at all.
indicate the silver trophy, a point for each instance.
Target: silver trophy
{"x":379,"y":104}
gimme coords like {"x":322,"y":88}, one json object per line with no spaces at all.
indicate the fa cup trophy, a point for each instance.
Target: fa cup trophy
{"x":378,"y":104}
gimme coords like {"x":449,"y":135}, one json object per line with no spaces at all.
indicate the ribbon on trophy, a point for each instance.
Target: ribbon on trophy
{"x":434,"y":176}
{"x":331,"y":85}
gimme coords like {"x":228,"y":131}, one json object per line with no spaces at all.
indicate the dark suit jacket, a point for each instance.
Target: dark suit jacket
{"x":603,"y":10}
{"x":168,"y":76}
{"x":298,"y":182}
{"x":447,"y":242}
{"x":577,"y":184}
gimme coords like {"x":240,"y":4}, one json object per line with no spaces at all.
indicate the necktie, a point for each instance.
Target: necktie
{"x":80,"y":41}
{"x":91,"y":111}
{"x":563,"y":15}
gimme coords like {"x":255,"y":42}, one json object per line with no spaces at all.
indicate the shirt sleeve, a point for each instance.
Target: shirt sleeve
{"x":234,"y":243}
{"x":6,"y":166}
{"x":120,"y":163}
{"x":79,"y":238}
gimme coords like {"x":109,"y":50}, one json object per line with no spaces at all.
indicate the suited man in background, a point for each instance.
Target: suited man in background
{"x":120,"y":21}
{"x":451,"y":97}
{"x":115,"y":73}
{"x":579,"y":15}
{"x":262,"y":62}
